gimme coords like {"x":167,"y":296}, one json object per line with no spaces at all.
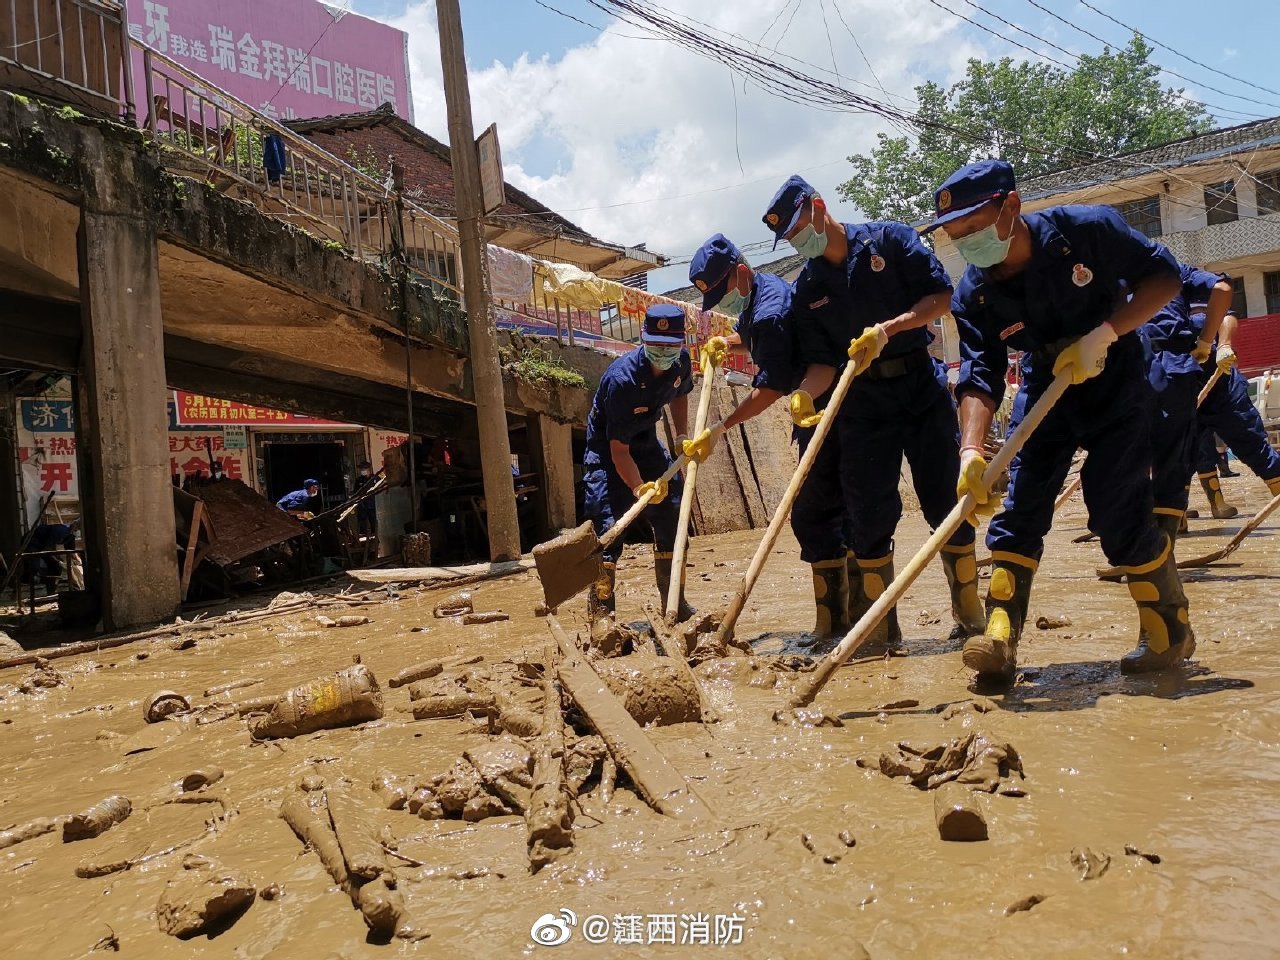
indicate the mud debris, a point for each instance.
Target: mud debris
{"x":419,"y":671}
{"x":958,"y":813}
{"x":1052,"y":623}
{"x":653,"y":691}
{"x":97,"y":820}
{"x":488,"y":616}
{"x":976,"y":759}
{"x":28,"y":831}
{"x":164,"y":704}
{"x":1090,"y":865}
{"x":1132,"y":851}
{"x":199,"y":779}
{"x":899,"y":704}
{"x":43,"y":677}
{"x":454,"y":605}
{"x":349,"y":696}
{"x":202,"y":895}
{"x":1025,"y":904}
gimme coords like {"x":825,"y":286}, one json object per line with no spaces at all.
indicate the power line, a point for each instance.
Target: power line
{"x":1065,"y":66}
{"x":1177,"y":53}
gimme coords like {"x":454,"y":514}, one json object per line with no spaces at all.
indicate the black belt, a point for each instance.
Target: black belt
{"x":887,"y":368}
{"x":1174,"y":344}
{"x":1048,"y":354}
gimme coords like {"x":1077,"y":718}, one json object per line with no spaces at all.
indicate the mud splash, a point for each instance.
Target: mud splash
{"x":1182,"y":770}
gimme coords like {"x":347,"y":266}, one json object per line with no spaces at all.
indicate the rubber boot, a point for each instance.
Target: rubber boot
{"x":600,"y":599}
{"x":662,"y":574}
{"x":1273,"y":485}
{"x":1213,"y":491}
{"x":1164,"y":637}
{"x":830,"y":599}
{"x":961,"y":568}
{"x":874,"y":576}
{"x":993,"y":654}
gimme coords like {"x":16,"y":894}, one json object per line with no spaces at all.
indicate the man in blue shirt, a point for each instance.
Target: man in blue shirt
{"x":1056,"y":285}
{"x":868,"y":295}
{"x":1229,"y":412}
{"x":624,"y":459}
{"x":299,"y":501}
{"x":762,"y":304}
{"x":1181,"y":337}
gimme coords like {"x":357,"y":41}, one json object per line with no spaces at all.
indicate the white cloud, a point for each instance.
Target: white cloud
{"x":1229,"y":53}
{"x":632,"y":120}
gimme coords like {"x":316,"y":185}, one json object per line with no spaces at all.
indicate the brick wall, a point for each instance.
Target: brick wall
{"x":428,"y":177}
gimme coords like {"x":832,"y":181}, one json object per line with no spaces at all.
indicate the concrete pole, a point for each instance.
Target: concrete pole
{"x":486,"y":374}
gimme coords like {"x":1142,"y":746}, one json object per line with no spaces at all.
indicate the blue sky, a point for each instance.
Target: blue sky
{"x":635,"y":139}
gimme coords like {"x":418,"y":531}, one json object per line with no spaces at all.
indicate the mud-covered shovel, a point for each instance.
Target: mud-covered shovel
{"x":570,"y":563}
{"x":808,"y":688}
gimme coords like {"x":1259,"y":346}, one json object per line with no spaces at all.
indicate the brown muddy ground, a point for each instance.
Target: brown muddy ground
{"x":1186,"y":767}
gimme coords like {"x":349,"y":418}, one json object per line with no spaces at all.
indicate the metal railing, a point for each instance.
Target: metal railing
{"x":287,"y":174}
{"x":80,"y":44}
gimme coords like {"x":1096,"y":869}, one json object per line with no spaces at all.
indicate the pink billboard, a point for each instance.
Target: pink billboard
{"x":285,"y":58}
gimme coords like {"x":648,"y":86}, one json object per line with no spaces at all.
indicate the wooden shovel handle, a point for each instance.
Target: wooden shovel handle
{"x":862,"y":629}
{"x":681,"y":545}
{"x":628,"y":518}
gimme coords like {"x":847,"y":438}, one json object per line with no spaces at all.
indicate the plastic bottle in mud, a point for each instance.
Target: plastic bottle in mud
{"x":349,"y":696}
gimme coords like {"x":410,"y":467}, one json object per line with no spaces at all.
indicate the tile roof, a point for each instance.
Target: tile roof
{"x":1189,"y":150}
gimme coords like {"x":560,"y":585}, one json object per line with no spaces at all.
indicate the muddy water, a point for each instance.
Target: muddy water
{"x":1185,"y":768}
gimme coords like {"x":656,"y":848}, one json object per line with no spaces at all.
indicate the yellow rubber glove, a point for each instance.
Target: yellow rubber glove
{"x":972,"y":467}
{"x":1225,"y":358}
{"x":700,"y":447}
{"x":659,"y":488}
{"x":1203,"y":348}
{"x":802,"y":412}
{"x":1085,"y":358}
{"x":716,"y":350}
{"x":867,"y":346}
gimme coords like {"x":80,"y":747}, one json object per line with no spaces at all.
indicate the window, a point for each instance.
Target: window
{"x":1220,"y":202}
{"x":1271,"y":288}
{"x":1143,"y":215}
{"x":1269,"y":192}
{"x":1238,"y":306}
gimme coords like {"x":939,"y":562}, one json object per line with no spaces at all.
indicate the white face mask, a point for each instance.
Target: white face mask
{"x":809,"y":243}
{"x":732,"y":303}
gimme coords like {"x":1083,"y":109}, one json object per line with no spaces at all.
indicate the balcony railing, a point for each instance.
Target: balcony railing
{"x":70,"y":48}
{"x":1227,"y":241}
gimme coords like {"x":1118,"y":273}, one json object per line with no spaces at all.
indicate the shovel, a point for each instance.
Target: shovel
{"x":570,"y":563}
{"x":804,"y":694}
{"x":1075,"y":484}
{"x":686,"y":502}
{"x":780,"y":515}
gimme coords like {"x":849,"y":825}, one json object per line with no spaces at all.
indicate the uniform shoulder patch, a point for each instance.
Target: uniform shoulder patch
{"x":1081,"y":275}
{"x":877,"y":263}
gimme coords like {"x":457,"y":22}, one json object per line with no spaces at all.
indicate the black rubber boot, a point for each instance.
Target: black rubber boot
{"x":600,"y":600}
{"x":961,"y":568}
{"x":1273,"y":486}
{"x":662,"y":574}
{"x":993,"y":654}
{"x":1164,"y":637}
{"x":874,"y":576}
{"x":1217,"y":503}
{"x":1171,"y":524}
{"x":830,"y":599}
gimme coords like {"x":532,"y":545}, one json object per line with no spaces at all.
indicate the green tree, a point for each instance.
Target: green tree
{"x":1036,"y":116}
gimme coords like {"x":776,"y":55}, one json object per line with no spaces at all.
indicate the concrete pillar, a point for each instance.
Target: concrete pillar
{"x":122,"y":429}
{"x":551,"y":447}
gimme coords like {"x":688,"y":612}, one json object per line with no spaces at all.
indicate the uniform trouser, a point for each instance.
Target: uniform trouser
{"x":819,"y":518}
{"x":1173,"y":438}
{"x":881,"y":421}
{"x":608,"y":498}
{"x":1110,"y":417}
{"x":1229,"y":413}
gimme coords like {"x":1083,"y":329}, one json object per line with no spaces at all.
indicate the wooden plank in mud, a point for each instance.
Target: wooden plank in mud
{"x":771,"y":453}
{"x":727,"y":399}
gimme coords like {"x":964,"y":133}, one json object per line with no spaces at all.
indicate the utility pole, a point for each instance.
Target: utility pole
{"x":486,"y":374}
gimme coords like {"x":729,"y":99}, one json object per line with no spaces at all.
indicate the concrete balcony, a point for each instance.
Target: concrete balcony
{"x":1227,"y":241}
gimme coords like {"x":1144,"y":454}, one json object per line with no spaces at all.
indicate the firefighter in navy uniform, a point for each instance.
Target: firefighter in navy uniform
{"x":1181,"y":337}
{"x":1056,"y":285}
{"x":761,"y":302}
{"x":1229,"y":412}
{"x":624,"y":459}
{"x":868,"y":295}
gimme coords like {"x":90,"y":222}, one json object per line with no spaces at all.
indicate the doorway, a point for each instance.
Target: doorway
{"x":285,"y":460}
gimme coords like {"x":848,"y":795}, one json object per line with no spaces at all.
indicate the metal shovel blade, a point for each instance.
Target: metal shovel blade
{"x":568,"y":564}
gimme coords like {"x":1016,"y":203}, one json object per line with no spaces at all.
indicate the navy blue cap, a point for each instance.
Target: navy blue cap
{"x":310,"y":483}
{"x":784,"y":208}
{"x":711,"y":266}
{"x":664,"y":325}
{"x":969,"y":188}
